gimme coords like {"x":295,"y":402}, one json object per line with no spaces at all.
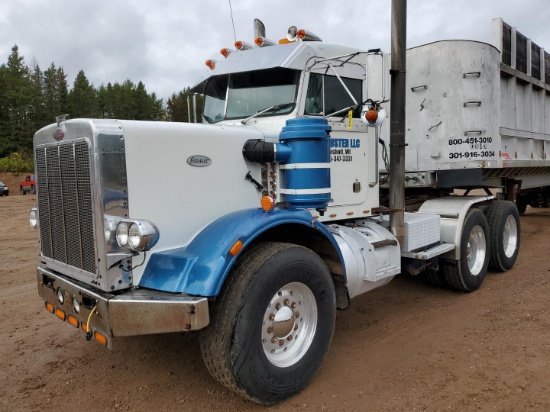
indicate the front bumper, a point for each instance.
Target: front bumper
{"x":135,"y":312}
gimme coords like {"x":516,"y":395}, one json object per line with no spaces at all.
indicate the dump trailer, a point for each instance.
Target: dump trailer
{"x":279,"y":217}
{"x":478,"y":116}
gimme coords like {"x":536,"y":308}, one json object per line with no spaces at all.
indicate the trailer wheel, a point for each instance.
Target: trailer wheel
{"x":504,"y":235}
{"x":272,"y":323}
{"x":467,"y":273}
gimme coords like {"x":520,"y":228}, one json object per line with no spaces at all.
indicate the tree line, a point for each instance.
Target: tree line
{"x":31,"y":98}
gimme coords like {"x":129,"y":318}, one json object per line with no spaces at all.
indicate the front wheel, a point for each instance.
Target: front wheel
{"x":504,"y":234}
{"x":272,"y":324}
{"x":468,"y":272}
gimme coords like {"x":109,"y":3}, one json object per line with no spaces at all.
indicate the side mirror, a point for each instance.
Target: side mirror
{"x":377,"y":76}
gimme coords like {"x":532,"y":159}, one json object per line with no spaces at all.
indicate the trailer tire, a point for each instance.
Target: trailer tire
{"x":504,"y":235}
{"x":272,"y":323}
{"x":468,"y":272}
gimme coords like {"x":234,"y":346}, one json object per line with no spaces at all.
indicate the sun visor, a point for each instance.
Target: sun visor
{"x":291,"y":55}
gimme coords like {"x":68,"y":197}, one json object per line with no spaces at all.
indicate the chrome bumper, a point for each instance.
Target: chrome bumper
{"x":136,"y":312}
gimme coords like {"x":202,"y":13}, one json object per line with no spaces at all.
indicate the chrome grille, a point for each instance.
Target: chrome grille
{"x":65,"y":204}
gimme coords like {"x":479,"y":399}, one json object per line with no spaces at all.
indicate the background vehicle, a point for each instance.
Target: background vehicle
{"x":282,"y":217}
{"x":4,"y":190}
{"x":28,"y":185}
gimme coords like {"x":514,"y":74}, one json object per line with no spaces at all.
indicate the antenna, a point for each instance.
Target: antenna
{"x":232,"y":21}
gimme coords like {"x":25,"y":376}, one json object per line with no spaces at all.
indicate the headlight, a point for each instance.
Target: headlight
{"x":122,"y":234}
{"x":137,"y":235}
{"x":33,"y":218}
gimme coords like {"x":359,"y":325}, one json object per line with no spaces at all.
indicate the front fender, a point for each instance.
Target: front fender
{"x":201,"y":267}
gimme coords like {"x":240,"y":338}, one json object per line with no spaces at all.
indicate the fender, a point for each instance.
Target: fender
{"x":453,"y":211}
{"x":201,"y":267}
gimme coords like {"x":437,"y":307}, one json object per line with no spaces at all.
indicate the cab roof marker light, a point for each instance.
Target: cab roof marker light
{"x":225,"y":52}
{"x":263,"y":42}
{"x":211,"y":64}
{"x":241,"y":45}
{"x":295,"y":34}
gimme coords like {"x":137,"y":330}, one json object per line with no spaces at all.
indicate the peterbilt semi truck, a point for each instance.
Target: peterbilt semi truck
{"x":279,"y":214}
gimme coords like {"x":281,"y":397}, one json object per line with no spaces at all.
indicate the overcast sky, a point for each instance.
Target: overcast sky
{"x":165,"y":43}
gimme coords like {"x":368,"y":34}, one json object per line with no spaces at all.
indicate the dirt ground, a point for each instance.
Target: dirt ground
{"x":406,"y":346}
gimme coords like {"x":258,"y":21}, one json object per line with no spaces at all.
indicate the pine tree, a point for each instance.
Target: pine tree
{"x":82,"y":98}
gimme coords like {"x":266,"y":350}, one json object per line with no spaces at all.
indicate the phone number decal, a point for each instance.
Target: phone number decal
{"x":472,"y":148}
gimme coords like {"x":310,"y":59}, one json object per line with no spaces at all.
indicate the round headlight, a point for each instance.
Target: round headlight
{"x":76,"y":305}
{"x":122,"y":234}
{"x":33,"y":218}
{"x":134,"y":236}
{"x":60,"y":296}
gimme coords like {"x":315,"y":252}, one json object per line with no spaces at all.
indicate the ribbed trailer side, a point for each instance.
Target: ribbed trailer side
{"x":478,"y":115}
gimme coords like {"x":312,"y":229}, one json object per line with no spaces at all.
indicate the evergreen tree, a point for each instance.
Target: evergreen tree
{"x":82,"y":98}
{"x":17,"y":106}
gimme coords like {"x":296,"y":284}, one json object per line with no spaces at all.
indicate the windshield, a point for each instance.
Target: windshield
{"x":241,"y":95}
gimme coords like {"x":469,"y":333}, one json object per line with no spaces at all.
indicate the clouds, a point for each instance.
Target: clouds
{"x":164,"y":44}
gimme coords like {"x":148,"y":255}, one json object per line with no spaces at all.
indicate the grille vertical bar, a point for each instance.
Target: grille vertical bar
{"x":65,"y":204}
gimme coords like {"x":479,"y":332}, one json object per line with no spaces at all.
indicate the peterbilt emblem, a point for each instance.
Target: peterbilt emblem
{"x":199,"y":161}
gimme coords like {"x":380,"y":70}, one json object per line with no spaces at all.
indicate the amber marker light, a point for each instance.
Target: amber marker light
{"x":100,"y":338}
{"x":73,"y":321}
{"x":50,"y":307}
{"x":225,"y":52}
{"x":259,"y":41}
{"x":236,"y":248}
{"x":371,"y":116}
{"x":211,"y":64}
{"x":60,"y":314}
{"x":84,"y":327}
{"x":267,"y":203}
{"x":301,"y":33}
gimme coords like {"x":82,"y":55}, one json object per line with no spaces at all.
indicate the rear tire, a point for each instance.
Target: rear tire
{"x":434,"y":278}
{"x":521,"y":204}
{"x":272,"y":323}
{"x":504,"y":235}
{"x":468,"y":272}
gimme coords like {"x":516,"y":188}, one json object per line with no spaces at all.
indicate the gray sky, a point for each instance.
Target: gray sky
{"x":165,"y":43}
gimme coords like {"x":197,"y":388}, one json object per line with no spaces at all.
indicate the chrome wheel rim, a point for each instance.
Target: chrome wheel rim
{"x":289,"y":324}
{"x":510,"y":236}
{"x":476,"y":250}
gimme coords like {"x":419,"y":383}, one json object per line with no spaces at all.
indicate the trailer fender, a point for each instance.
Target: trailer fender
{"x":201,"y":267}
{"x":453,"y":211}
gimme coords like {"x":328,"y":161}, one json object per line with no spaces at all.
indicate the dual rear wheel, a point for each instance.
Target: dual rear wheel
{"x":489,"y":240}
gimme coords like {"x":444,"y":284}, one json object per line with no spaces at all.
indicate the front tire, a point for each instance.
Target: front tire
{"x":468,"y":272}
{"x":504,"y":235}
{"x":272,"y":323}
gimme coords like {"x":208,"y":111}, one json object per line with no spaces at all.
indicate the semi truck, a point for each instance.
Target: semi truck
{"x":280,"y":215}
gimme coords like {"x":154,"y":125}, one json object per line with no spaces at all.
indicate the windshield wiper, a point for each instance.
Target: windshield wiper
{"x":270,"y":108}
